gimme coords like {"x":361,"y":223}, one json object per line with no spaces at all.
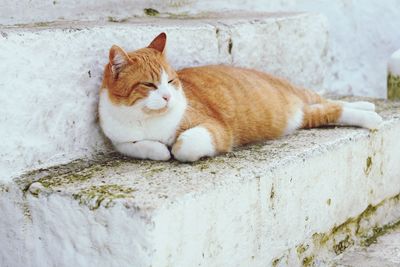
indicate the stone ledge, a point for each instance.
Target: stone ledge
{"x":12,"y":12}
{"x":54,"y":72}
{"x":247,"y":208}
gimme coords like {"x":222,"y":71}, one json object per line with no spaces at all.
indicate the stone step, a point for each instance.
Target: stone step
{"x":51,"y":72}
{"x":288,"y":202}
{"x":385,"y":252}
{"x":39,"y":11}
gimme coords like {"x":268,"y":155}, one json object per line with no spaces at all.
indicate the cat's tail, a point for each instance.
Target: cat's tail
{"x":327,"y":112}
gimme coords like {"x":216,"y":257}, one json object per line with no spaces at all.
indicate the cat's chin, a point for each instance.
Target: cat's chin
{"x":160,"y":111}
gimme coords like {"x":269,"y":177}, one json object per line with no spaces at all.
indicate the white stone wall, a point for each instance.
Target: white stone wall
{"x":363,"y":35}
{"x":27,"y":11}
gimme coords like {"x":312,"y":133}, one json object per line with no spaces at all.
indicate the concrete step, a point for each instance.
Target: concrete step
{"x":39,"y":11}
{"x":385,"y":252}
{"x":51,"y":72}
{"x":295,"y":201}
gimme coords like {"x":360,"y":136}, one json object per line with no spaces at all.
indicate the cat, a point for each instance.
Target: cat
{"x":146,"y":106}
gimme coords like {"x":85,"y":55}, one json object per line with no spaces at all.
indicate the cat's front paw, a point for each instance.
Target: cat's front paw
{"x":160,"y":154}
{"x":194,"y":144}
{"x":145,"y":150}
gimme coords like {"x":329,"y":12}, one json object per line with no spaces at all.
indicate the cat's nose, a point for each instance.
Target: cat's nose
{"x":166,"y":97}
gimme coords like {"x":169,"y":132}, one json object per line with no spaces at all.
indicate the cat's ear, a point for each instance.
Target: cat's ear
{"x":118,"y":59}
{"x":159,"y":42}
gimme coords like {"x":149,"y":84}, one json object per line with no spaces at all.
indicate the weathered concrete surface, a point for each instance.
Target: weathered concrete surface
{"x":27,"y":11}
{"x":361,"y":34}
{"x":361,"y":42}
{"x":256,"y":206}
{"x":384,"y":253}
{"x":51,"y":73}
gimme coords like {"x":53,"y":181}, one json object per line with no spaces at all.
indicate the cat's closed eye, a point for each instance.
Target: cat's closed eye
{"x":151,"y":85}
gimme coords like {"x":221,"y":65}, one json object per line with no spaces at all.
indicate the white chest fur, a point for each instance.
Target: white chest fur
{"x":129,"y":124}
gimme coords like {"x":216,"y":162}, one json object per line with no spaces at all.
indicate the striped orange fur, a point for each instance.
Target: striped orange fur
{"x":233,"y":106}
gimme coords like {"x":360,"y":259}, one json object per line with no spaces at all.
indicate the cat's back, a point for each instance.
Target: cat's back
{"x":224,"y":78}
{"x":238,"y":83}
{"x":227,"y":84}
{"x":219,"y":75}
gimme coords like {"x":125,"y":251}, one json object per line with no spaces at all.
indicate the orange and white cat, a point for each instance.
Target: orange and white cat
{"x":146,"y":107}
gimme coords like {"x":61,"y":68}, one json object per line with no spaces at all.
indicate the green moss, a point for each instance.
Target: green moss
{"x":368,"y":165}
{"x":301,"y":249}
{"x":74,"y":172}
{"x":66,"y":179}
{"x":393,"y":87}
{"x":151,"y":12}
{"x":345,"y":235}
{"x":367,"y":213}
{"x":343,"y":245}
{"x":376,"y":232}
{"x":342,"y":228}
{"x":153,"y":171}
{"x":202,"y":164}
{"x":320,"y":238}
{"x":352,"y":227}
{"x":94,"y":196}
{"x":276,"y":261}
{"x":308,"y":261}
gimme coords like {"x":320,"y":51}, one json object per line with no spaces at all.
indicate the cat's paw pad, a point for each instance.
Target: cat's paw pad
{"x":144,"y":150}
{"x":193,"y":144}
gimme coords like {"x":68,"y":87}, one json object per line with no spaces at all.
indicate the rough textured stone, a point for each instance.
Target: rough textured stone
{"x":361,"y":42}
{"x":246,"y":208}
{"x":26,"y":11}
{"x":384,"y":253}
{"x":51,"y":73}
{"x":361,"y":35}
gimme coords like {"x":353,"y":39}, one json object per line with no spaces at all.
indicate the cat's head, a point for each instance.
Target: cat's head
{"x":142,"y":78}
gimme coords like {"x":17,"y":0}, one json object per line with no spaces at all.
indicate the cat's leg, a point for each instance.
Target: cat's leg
{"x":362,"y":105}
{"x":204,"y":140}
{"x":336,"y":113}
{"x":144,"y":150}
{"x":361,"y":118}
